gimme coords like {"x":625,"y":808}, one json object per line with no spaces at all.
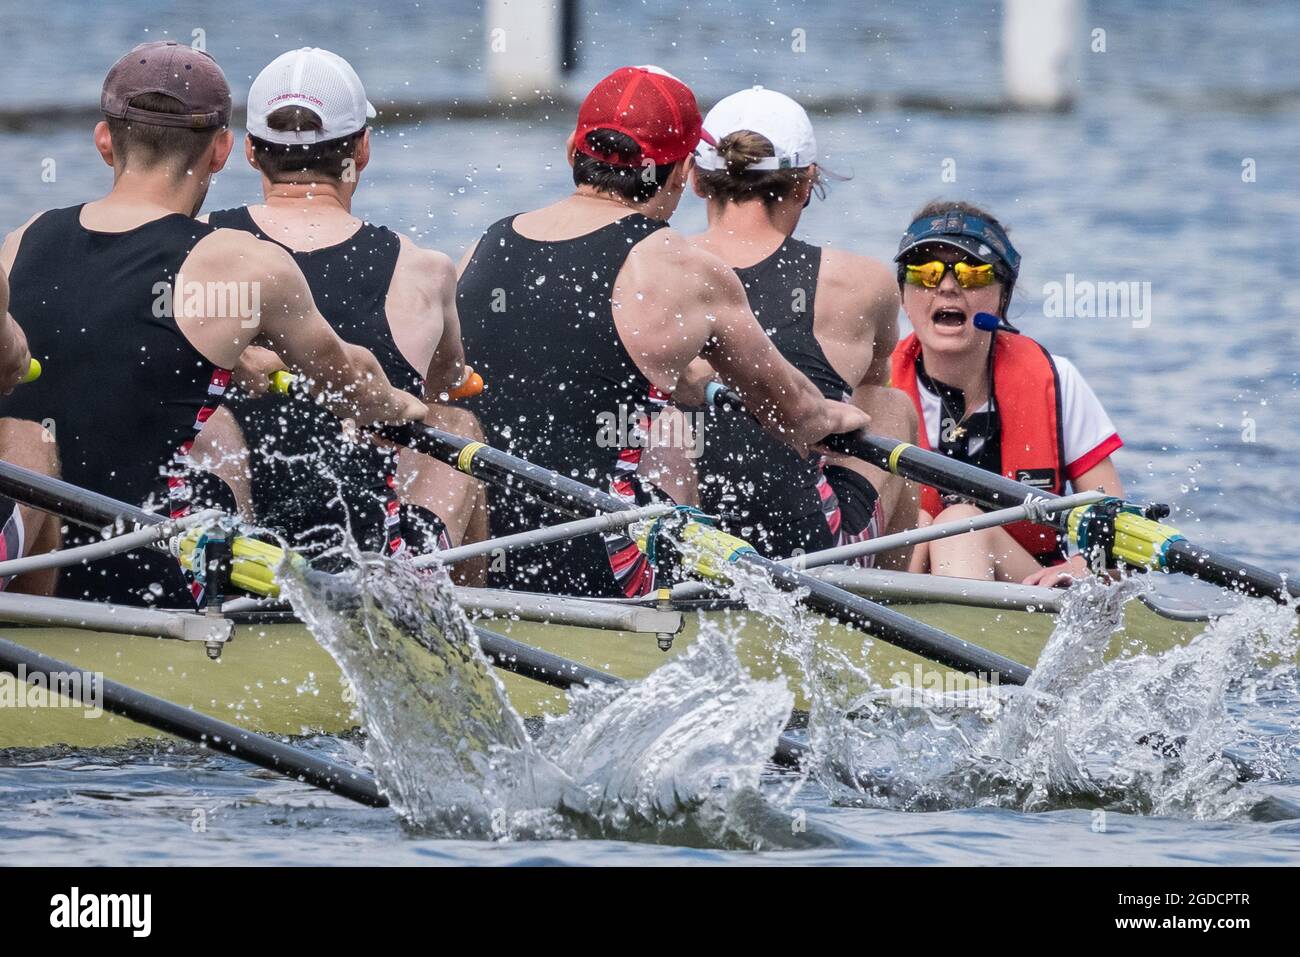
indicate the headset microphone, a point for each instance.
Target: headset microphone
{"x":986,"y":322}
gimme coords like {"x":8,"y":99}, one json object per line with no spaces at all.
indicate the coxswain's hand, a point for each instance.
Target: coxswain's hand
{"x":256,"y":366}
{"x":1062,"y":575}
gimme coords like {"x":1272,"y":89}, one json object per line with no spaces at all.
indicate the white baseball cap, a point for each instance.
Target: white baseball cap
{"x":770,"y":114}
{"x":315,"y":80}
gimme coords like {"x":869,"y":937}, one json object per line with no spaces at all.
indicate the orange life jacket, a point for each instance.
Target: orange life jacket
{"x":1028,"y":399}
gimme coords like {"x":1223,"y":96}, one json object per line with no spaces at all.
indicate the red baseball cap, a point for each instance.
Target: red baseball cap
{"x":650,"y":105}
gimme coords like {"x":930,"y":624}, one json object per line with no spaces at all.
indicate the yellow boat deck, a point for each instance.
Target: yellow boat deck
{"x":276,"y":679}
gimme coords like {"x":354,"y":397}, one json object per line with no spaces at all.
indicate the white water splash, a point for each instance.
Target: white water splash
{"x":676,"y":756}
{"x":449,"y":751}
{"x":697,"y":726}
{"x":1142,"y":733}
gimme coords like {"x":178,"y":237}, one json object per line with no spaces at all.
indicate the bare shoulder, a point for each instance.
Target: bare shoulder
{"x":848,"y":272}
{"x":466,"y":258}
{"x":234,"y":254}
{"x":672,"y":261}
{"x":425,"y":265}
{"x":854,"y":288}
{"x":9,"y":251}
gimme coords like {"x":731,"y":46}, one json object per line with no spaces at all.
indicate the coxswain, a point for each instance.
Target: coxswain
{"x":990,"y":396}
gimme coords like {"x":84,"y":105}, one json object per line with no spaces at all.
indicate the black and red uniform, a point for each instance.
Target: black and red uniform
{"x":309,"y":479}
{"x":782,"y":504}
{"x":123,"y":392}
{"x":537,"y":322}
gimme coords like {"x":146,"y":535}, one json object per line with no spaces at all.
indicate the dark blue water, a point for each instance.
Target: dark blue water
{"x":1142,"y":182}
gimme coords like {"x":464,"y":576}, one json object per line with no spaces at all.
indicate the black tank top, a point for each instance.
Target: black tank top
{"x":308,"y":479}
{"x":122,"y":390}
{"x":765,"y":489}
{"x":561,"y":390}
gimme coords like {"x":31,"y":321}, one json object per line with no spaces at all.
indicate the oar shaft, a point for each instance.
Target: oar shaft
{"x":930,"y":468}
{"x":78,"y":505}
{"x":1183,"y":556}
{"x":529,"y":662}
{"x":892,"y":626}
{"x":217,"y":736}
{"x":485,"y":462}
{"x":475,"y":458}
{"x":996,"y":491}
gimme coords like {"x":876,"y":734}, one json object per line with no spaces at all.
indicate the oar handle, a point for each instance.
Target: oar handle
{"x":932,"y":468}
{"x":986,"y":488}
{"x":282,"y":382}
{"x":469,"y":387}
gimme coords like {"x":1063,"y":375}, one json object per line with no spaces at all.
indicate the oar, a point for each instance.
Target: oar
{"x":719,"y":550}
{"x":217,"y":736}
{"x":253,"y":562}
{"x":1139,"y":542}
{"x":78,"y":505}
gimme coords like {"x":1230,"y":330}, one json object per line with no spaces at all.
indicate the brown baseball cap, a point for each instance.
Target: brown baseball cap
{"x":176,"y":70}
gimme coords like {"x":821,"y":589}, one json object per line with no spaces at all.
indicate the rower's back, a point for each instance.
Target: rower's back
{"x":123,"y":392}
{"x":781,"y":502}
{"x":562,"y":391}
{"x":826,"y":311}
{"x":309,"y":477}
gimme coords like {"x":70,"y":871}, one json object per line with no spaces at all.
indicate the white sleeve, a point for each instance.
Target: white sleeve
{"x":1089,"y":435}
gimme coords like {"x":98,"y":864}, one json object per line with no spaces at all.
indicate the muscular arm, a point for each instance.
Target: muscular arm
{"x":14,"y":355}
{"x":422,"y":316}
{"x":857,"y":316}
{"x":674,"y":302}
{"x":286,"y":318}
{"x":447,"y":367}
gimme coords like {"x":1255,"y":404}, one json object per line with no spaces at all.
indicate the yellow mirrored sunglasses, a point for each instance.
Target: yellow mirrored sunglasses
{"x":969,"y":276}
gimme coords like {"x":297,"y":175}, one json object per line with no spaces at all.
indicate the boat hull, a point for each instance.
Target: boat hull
{"x":275,"y":679}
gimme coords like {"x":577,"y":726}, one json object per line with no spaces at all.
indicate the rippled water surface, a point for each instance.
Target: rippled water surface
{"x":1142,"y":182}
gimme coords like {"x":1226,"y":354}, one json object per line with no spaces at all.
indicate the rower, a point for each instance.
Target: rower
{"x":833,"y":314}
{"x":591,"y":310}
{"x":25,"y":530}
{"x":990,"y":396}
{"x":309,"y":139}
{"x":138,"y":313}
